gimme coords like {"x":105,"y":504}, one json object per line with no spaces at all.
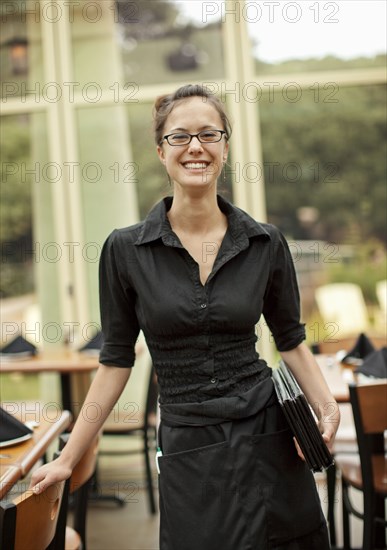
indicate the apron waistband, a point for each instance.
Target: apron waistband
{"x":223,"y":409}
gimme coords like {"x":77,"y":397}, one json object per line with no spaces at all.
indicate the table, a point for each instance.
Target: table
{"x":17,"y":460}
{"x":63,"y":361}
{"x":336,"y":375}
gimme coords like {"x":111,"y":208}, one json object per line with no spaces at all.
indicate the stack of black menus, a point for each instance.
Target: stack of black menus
{"x":301,"y":419}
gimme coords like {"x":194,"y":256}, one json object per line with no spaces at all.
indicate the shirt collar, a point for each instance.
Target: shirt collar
{"x":240,"y":224}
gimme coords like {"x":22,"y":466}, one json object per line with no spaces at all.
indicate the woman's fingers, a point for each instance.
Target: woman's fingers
{"x":328,"y":430}
{"x":328,"y":434}
{"x":299,"y":452}
{"x":48,"y":475}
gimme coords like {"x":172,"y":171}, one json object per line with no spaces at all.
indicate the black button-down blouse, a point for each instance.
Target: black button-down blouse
{"x":201,"y":338}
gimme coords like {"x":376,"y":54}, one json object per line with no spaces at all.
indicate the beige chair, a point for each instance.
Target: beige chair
{"x":380,"y":313}
{"x":381,"y":294}
{"x":343,"y":306}
{"x":29,"y":521}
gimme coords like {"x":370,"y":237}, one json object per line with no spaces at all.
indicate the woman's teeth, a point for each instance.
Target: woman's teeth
{"x":195,"y":165}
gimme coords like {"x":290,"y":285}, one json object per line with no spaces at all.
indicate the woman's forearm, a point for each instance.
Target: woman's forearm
{"x":104,"y":391}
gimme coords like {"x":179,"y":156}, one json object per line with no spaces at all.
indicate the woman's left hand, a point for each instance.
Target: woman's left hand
{"x":328,"y":426}
{"x":329,"y":423}
{"x":305,"y":369}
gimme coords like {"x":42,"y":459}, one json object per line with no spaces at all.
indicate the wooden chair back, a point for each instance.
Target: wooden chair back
{"x":30,"y":520}
{"x":372,"y":403}
{"x":369,"y":407}
{"x":79,"y":485}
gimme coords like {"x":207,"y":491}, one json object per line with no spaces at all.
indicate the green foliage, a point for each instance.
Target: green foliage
{"x":152,"y":180}
{"x":365,"y":268}
{"x":15,"y":187}
{"x":339,"y":163}
{"x":155,"y":51}
{"x":17,"y":279}
{"x":327,"y":63}
{"x":18,"y":387}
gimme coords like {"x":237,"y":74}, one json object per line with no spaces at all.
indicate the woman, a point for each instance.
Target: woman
{"x":195,"y":276}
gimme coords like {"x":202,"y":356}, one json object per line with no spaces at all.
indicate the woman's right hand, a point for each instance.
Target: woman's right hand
{"x":48,"y":474}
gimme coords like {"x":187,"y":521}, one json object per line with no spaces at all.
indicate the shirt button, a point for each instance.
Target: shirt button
{"x":203,"y":306}
{"x":213,"y":380}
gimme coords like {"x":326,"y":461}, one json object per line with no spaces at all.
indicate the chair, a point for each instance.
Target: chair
{"x":343,"y":305}
{"x":380,"y":313}
{"x":142,"y":423}
{"x":74,"y":538}
{"x":381,"y":294}
{"x":368,"y":473}
{"x":29,"y":521}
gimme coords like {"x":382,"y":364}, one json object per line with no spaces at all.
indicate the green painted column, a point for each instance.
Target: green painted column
{"x":89,"y":189}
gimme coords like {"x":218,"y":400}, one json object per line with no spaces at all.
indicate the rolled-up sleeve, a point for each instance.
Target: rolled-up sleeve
{"x":282,"y":300}
{"x":119,"y":322}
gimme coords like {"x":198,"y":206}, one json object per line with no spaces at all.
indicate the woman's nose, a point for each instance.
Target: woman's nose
{"x":195,"y":144}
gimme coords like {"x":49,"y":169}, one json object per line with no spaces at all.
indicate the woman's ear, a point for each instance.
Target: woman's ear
{"x":160,"y":153}
{"x":225,"y":153}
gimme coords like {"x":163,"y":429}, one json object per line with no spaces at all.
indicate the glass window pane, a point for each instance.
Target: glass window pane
{"x":316,"y":35}
{"x":21,"y":65}
{"x":152,"y":182}
{"x":153,"y":42}
{"x":165,"y":45}
{"x":24,"y":155}
{"x":324,"y":172}
{"x":324,"y":166}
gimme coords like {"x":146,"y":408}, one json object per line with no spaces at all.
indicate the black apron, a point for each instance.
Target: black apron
{"x":231,"y":479}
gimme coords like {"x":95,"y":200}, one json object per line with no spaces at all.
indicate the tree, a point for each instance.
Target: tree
{"x":15,"y":190}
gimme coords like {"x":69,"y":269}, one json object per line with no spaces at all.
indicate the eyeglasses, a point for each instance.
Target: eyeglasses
{"x":205,"y":136}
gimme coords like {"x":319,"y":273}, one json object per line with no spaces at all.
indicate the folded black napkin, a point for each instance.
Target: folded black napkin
{"x":18,"y":345}
{"x":375,"y":364}
{"x":95,"y":344}
{"x":360,"y":350}
{"x":12,"y":431}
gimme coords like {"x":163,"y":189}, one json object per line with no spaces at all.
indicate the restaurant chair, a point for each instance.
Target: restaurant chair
{"x":143,"y":423}
{"x":343,"y":305}
{"x":381,"y":294}
{"x":74,"y":538}
{"x":380,"y":311}
{"x":346,"y":440}
{"x":29,"y":521}
{"x":368,"y":473}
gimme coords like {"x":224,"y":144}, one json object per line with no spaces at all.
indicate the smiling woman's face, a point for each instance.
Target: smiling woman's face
{"x":196,"y":164}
